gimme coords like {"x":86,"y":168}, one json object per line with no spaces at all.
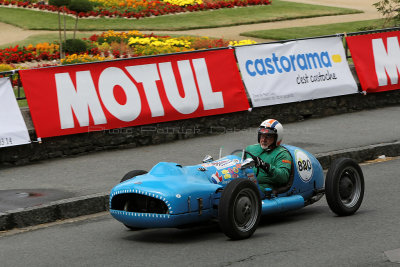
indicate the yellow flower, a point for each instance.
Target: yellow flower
{"x":183,"y":2}
{"x":74,"y":58}
{"x":242,"y":42}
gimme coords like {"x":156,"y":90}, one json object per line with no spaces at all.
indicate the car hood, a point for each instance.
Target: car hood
{"x":179,"y":187}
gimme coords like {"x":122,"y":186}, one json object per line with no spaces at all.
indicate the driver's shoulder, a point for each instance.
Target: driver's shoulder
{"x":283,"y":151}
{"x":253,"y":148}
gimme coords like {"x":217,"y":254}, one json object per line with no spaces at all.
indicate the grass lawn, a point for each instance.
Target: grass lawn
{"x":22,"y":102}
{"x":312,"y":31}
{"x":278,"y":10}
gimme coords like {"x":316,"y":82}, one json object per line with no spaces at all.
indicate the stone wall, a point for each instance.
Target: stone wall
{"x":63,"y":146}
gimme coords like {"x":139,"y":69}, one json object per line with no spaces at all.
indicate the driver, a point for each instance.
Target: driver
{"x":274,"y":161}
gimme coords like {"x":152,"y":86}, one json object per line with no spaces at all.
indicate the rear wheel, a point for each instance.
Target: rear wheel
{"x":239,"y":209}
{"x":344,"y":186}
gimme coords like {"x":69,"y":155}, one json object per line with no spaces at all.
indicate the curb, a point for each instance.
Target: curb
{"x":360,"y":154}
{"x":53,"y":211}
{"x":85,"y":205}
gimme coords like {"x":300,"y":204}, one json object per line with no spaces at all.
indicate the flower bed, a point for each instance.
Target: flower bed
{"x":44,"y":51}
{"x":110,"y":45}
{"x":141,"y":8}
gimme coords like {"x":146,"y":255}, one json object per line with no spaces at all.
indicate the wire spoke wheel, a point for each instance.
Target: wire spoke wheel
{"x":344,"y":187}
{"x":350,"y":187}
{"x":245,"y":212}
{"x":239,"y":209}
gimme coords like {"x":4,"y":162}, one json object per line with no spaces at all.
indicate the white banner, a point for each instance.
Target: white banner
{"x":295,"y":71}
{"x":13,"y":129}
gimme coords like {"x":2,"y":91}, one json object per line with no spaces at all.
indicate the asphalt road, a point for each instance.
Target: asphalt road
{"x":312,"y":236}
{"x":99,"y":172}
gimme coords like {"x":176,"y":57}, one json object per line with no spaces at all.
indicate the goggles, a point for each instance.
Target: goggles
{"x":267,"y":130}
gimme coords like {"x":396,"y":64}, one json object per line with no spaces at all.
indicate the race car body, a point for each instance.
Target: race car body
{"x":172,"y":195}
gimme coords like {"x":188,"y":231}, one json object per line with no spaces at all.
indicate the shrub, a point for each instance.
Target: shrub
{"x":390,"y":10}
{"x":75,"y":46}
{"x":59,"y":3}
{"x":80,"y":6}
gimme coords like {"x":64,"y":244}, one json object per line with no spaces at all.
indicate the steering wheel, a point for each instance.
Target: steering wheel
{"x":255,"y":158}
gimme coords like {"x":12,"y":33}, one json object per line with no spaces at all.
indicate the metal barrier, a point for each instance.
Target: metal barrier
{"x":16,"y":82}
{"x":14,"y":74}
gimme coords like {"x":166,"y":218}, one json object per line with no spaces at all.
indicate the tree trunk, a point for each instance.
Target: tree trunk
{"x":59,"y":33}
{"x":76,"y":26}
{"x":65,"y":25}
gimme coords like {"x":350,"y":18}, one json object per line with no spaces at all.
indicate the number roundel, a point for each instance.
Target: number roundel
{"x":303,"y":165}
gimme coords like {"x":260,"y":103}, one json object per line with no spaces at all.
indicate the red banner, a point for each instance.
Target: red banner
{"x":121,"y":93}
{"x":377,"y":60}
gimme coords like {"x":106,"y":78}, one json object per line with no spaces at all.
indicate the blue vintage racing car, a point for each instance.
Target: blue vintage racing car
{"x":172,"y":195}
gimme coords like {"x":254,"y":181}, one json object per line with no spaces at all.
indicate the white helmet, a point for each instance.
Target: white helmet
{"x":271,"y":126}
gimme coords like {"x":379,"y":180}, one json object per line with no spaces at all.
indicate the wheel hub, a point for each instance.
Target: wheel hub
{"x":243,"y":210}
{"x":346,"y":187}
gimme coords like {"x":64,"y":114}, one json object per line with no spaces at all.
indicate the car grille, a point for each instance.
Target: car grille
{"x":132,"y":202}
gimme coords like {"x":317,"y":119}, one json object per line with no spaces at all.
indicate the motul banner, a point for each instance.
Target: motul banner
{"x":377,"y":60}
{"x":279,"y":73}
{"x":114,"y":94}
{"x":13,"y":129}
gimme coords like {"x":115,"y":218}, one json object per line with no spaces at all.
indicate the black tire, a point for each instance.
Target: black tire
{"x":344,"y":186}
{"x":132,"y":174}
{"x":128,"y":176}
{"x":239,"y":209}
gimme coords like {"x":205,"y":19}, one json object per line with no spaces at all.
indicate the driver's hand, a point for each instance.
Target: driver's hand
{"x":262,"y":164}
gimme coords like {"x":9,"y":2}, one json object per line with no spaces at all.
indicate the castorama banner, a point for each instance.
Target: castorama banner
{"x":114,"y":94}
{"x":377,"y":60}
{"x":279,"y":73}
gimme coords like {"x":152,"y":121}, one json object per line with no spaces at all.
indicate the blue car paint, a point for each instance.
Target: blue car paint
{"x":281,"y":204}
{"x":184,"y":189}
{"x":301,"y":185}
{"x":149,"y":220}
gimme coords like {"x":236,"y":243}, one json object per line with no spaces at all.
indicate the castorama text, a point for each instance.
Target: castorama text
{"x":280,"y":64}
{"x":276,"y":73}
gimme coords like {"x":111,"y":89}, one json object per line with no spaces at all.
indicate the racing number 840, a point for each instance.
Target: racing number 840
{"x":304,"y":165}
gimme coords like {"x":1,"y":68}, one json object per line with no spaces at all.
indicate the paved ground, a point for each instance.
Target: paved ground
{"x":49,"y":180}
{"x":9,"y":33}
{"x":46,"y":181}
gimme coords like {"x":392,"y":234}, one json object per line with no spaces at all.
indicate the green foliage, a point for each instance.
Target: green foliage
{"x":80,"y":6}
{"x":77,"y":46}
{"x":390,"y":10}
{"x":59,"y":3}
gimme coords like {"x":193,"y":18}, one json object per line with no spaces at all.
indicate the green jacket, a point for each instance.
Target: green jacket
{"x":280,"y":162}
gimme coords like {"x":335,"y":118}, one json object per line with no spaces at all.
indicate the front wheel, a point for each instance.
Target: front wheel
{"x":344,"y":186}
{"x":128,"y":176}
{"x":239,"y":209}
{"x":132,"y":174}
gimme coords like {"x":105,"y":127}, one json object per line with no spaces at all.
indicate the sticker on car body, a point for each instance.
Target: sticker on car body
{"x":224,"y":163}
{"x":303,"y":165}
